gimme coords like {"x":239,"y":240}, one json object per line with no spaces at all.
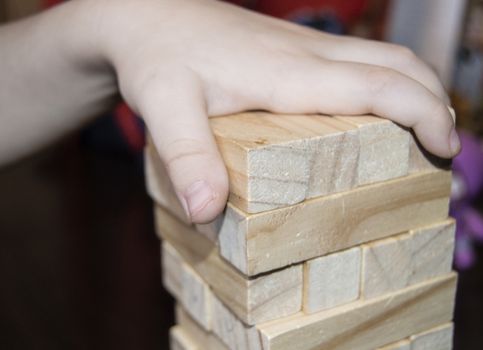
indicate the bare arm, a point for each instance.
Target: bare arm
{"x":52,"y":79}
{"x":176,"y":62}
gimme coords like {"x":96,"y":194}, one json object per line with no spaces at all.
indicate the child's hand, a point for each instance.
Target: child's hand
{"x":179,"y":61}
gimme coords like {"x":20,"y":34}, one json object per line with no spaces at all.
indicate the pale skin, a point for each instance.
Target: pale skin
{"x":178,"y":62}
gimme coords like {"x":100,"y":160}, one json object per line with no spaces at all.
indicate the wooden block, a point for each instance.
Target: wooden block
{"x":207,"y":340}
{"x":365,"y":325}
{"x":196,"y":297}
{"x":179,"y":340}
{"x":432,"y":250}
{"x":210,"y":230}
{"x":384,"y":149}
{"x":387,"y":265}
{"x":400,"y":345}
{"x":439,"y":338}
{"x":271,"y":240}
{"x":278,"y":160}
{"x":232,"y":240}
{"x":186,"y":286}
{"x":397,"y":262}
{"x":172,"y":270}
{"x":332,"y":280}
{"x":228,"y":331}
{"x":232,"y":331}
{"x":334,"y":159}
{"x":254,"y":300}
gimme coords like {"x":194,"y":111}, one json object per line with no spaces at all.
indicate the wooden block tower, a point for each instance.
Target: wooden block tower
{"x":336,"y":236}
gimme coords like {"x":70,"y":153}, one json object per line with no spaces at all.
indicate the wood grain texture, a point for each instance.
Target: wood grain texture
{"x":171,"y":270}
{"x":332,"y":280}
{"x":235,"y":334}
{"x":196,"y":297}
{"x":365,"y":325}
{"x":278,"y":160}
{"x":397,"y":262}
{"x":387,"y":265}
{"x":201,"y":337}
{"x":228,"y":331}
{"x":439,"y":338}
{"x":179,"y":340}
{"x":383,"y":149}
{"x":186,"y":286}
{"x":266,"y":241}
{"x":432,"y":250}
{"x":275,"y":161}
{"x":255,"y":300}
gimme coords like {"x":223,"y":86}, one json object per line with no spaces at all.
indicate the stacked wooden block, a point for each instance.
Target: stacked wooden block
{"x":336,"y":236}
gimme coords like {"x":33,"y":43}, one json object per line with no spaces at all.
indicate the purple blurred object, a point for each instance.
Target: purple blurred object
{"x":466,"y":186}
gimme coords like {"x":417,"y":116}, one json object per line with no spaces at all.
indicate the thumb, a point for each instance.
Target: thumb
{"x":175,"y":114}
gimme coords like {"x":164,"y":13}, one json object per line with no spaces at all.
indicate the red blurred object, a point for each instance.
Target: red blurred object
{"x":347,"y":11}
{"x":50,"y":3}
{"x":130,"y":127}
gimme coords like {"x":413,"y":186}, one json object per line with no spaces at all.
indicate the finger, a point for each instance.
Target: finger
{"x":351,"y":88}
{"x":393,"y":56}
{"x":176,"y":117}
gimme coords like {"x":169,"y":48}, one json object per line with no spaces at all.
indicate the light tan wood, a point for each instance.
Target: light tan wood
{"x":278,"y":160}
{"x":432,"y":250}
{"x":201,"y":337}
{"x":271,"y":240}
{"x":332,"y":280}
{"x":397,"y":262}
{"x":255,"y":300}
{"x":172,"y":270}
{"x":186,"y":286}
{"x":180,"y":340}
{"x":400,"y":345}
{"x":366,"y":324}
{"x":196,"y":297}
{"x":439,"y":338}
{"x":228,"y":331}
{"x":384,"y":149}
{"x":232,"y":331}
{"x":387,"y":265}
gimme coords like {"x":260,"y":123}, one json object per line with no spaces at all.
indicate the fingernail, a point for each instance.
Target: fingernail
{"x":454,"y":142}
{"x":453,"y":113}
{"x":198,"y":196}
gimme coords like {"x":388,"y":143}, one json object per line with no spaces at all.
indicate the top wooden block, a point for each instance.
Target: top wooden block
{"x":279,"y":160}
{"x":275,"y":161}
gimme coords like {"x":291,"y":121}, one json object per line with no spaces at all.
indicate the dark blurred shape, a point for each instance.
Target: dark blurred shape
{"x":79,"y":261}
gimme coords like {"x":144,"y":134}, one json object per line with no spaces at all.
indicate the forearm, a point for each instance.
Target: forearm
{"x":52,"y":78}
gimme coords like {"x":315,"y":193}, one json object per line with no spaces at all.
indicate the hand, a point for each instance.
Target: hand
{"x":178,"y":62}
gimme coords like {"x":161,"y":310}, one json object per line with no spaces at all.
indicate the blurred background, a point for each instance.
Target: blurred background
{"x":79,"y":260}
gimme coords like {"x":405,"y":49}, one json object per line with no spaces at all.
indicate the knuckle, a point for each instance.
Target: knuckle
{"x":404,"y":52}
{"x":379,"y":80}
{"x":404,"y":57}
